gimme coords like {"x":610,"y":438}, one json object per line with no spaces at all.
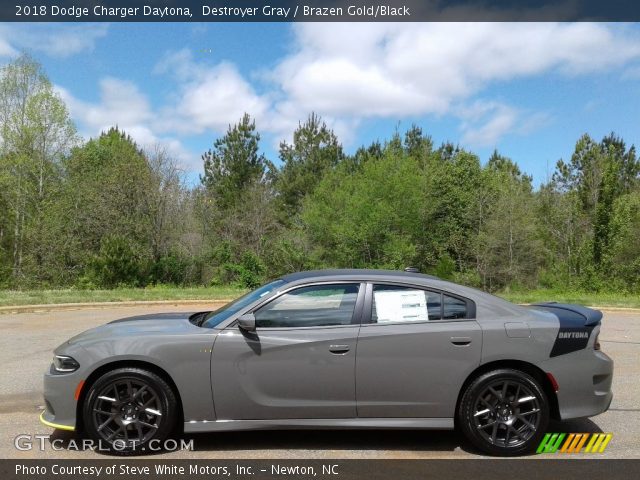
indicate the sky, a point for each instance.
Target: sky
{"x":529,"y":90}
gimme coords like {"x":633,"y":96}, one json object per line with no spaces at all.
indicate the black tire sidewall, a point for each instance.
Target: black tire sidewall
{"x":466,"y":412}
{"x":167,"y":399}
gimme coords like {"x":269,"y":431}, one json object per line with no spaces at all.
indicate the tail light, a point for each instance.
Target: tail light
{"x":596,"y":342}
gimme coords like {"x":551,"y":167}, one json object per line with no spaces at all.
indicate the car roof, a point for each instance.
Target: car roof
{"x":356,"y":272}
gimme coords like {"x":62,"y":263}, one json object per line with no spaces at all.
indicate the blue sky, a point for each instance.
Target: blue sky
{"x":528,"y":89}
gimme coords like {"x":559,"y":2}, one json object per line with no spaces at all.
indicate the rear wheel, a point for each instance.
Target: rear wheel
{"x":127,"y":408}
{"x":504,"y":412}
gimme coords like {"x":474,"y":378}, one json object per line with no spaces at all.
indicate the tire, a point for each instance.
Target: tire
{"x":127,"y":408}
{"x":504,"y":412}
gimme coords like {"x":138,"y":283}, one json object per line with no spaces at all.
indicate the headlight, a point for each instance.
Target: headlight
{"x":64,"y":364}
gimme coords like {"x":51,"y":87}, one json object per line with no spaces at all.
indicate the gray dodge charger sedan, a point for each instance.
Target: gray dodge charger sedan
{"x":336,"y":349}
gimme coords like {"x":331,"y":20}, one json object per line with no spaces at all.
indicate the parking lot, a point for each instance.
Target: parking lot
{"x":27,"y":340}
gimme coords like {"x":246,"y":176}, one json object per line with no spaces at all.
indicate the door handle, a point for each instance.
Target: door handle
{"x":339,"y":349}
{"x":461,"y":341}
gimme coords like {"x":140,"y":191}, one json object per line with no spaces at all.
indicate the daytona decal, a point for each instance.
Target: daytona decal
{"x":576,"y":325}
{"x":570,"y":340}
{"x":573,"y":335}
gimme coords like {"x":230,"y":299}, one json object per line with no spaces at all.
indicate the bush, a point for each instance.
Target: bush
{"x":445,"y":268}
{"x":117,"y":264}
{"x":470,"y":278}
{"x":173,"y":269}
{"x":249,"y":273}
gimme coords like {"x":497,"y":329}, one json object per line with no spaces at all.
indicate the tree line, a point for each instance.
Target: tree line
{"x":106,"y":213}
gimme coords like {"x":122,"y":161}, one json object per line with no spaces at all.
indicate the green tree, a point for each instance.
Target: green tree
{"x":234,"y":163}
{"x":599,"y":173}
{"x":418,"y":145}
{"x":116,"y":264}
{"x":236,"y":208}
{"x":314,"y":151}
{"x":168,"y":202}
{"x":35,"y":135}
{"x":449,"y":212}
{"x":108,"y":185}
{"x":508,"y":245}
{"x":369,"y":218}
{"x":624,"y":254}
{"x":352,"y":163}
{"x":563,"y":230}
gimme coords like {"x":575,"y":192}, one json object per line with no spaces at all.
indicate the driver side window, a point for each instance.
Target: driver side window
{"x":313,"y":306}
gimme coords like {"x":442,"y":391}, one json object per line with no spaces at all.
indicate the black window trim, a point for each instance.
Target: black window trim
{"x":368,"y":309}
{"x":356,"y":317}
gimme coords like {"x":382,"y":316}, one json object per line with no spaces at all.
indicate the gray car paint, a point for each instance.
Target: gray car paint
{"x":174,"y":345}
{"x":392,"y":375}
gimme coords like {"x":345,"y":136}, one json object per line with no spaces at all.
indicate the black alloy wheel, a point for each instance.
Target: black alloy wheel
{"x":504,"y":412}
{"x":127,"y":408}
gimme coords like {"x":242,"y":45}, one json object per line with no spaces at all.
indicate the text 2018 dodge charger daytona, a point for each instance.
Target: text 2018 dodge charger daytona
{"x":336,"y":349}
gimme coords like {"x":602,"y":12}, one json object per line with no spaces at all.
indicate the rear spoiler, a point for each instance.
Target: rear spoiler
{"x":577,"y":315}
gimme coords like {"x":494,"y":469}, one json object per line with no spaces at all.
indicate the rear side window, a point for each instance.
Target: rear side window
{"x":453,"y":308}
{"x":313,"y":306}
{"x":402,"y":304}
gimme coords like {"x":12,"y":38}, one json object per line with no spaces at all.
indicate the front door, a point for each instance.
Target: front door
{"x":300,"y":361}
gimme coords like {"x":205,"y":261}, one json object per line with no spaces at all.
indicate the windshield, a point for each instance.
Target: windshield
{"x":215,"y":318}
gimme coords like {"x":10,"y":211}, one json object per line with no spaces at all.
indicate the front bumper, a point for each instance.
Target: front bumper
{"x":47,"y":418}
{"x":59,"y":399}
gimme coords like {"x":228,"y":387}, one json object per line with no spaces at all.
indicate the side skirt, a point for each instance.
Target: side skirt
{"x":319,"y":424}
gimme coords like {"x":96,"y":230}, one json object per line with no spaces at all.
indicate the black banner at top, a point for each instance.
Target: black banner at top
{"x":319,"y":11}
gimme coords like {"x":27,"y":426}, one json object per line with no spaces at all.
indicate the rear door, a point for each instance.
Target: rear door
{"x":415,"y":349}
{"x":300,"y":361}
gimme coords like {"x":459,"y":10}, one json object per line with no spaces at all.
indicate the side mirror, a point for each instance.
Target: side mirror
{"x":247,"y":322}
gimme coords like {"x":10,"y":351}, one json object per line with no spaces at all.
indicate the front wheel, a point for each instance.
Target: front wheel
{"x":128,"y":408}
{"x":504,"y":412}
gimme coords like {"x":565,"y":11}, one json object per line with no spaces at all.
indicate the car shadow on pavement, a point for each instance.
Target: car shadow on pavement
{"x":577,"y":425}
{"x":342,"y":440}
{"x":390,"y":443}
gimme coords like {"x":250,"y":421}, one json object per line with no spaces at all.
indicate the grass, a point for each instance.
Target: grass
{"x":601,"y":299}
{"x":38,"y":297}
{"x":163,"y":292}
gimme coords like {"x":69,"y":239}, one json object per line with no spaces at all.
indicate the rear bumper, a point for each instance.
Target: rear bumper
{"x":584,"y":378}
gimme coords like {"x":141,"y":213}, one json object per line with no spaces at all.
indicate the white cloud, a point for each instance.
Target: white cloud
{"x":209,"y":97}
{"x":122,"y":104}
{"x":484,"y":122}
{"x":55,"y":40}
{"x":6,"y":50}
{"x":347,"y":72}
{"x":370,"y":69}
{"x":350,"y":72}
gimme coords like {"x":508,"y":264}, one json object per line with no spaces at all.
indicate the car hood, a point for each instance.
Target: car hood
{"x":154,"y":324}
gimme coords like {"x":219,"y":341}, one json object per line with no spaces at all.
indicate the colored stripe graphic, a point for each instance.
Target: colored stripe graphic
{"x":568,"y":442}
{"x":580,"y":443}
{"x":598,"y":442}
{"x":574,"y":442}
{"x":550,"y":443}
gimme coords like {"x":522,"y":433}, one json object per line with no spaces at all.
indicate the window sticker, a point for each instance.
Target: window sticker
{"x":401,"y":306}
